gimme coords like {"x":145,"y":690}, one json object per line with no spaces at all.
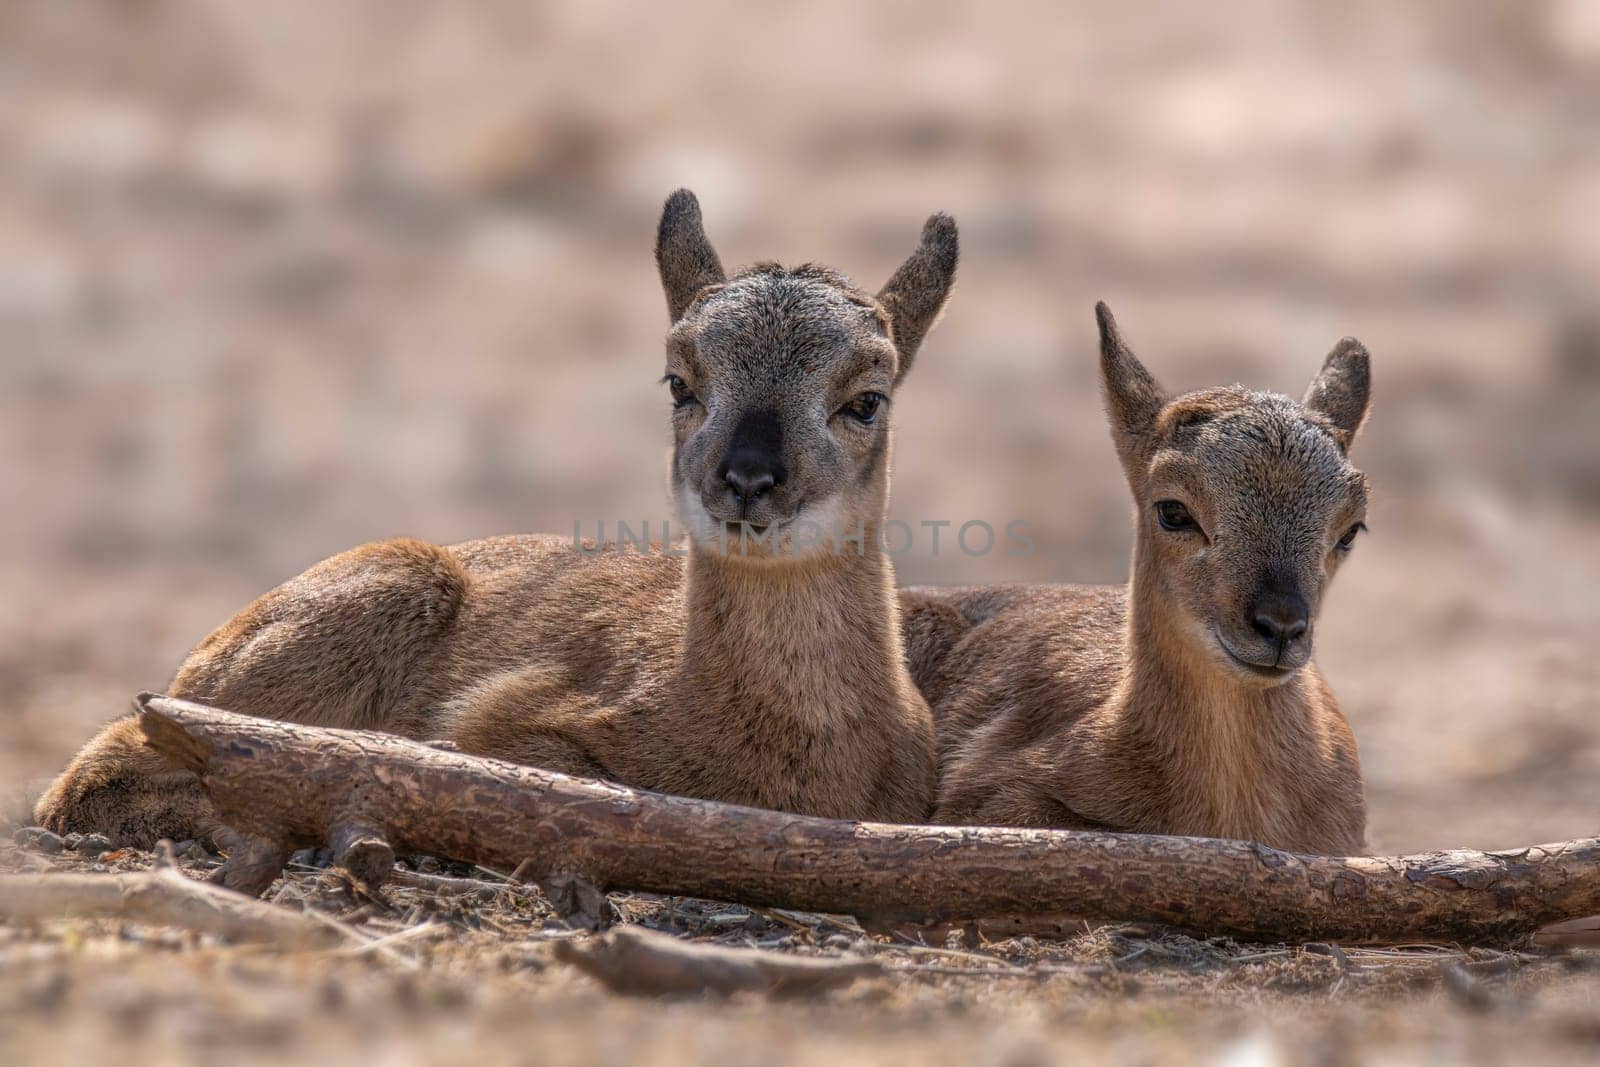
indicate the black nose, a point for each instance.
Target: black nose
{"x":1281,"y":617}
{"x":751,"y":475}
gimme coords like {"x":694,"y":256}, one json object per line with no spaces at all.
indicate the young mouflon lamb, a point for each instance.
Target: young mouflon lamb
{"x":1185,"y":702}
{"x":764,"y":668}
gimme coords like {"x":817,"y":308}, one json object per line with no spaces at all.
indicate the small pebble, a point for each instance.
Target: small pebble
{"x":39,"y":839}
{"x":92,"y":846}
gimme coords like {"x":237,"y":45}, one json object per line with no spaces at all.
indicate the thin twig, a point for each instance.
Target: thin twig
{"x":930,"y":950}
{"x":162,"y":897}
{"x":349,"y":931}
{"x":381,"y":944}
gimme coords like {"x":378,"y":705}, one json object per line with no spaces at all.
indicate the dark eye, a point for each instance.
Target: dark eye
{"x":1172,"y":515}
{"x":863,"y":408}
{"x":1349,"y":537}
{"x":681,"y":394}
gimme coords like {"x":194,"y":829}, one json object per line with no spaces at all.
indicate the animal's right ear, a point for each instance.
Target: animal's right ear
{"x":1133,"y":399}
{"x":916,"y":294}
{"x":685,"y":258}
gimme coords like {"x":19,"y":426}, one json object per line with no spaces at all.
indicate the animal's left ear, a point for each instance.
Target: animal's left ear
{"x":1341,"y":391}
{"x":916,"y":294}
{"x":684,"y":256}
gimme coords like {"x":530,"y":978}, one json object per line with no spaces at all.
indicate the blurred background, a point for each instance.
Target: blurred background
{"x":276,"y":279}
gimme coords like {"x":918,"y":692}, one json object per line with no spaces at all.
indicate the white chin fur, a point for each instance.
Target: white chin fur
{"x":815,"y":532}
{"x":697,"y":522}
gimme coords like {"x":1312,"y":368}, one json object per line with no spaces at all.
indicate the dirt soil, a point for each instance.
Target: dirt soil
{"x":433,"y":976}
{"x":278,"y":279}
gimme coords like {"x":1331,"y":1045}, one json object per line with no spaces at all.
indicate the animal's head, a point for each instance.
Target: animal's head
{"x":1247,"y":502}
{"x":782,"y":383}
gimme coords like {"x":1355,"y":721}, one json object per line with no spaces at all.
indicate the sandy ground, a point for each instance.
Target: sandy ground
{"x":433,"y":978}
{"x":277,"y":280}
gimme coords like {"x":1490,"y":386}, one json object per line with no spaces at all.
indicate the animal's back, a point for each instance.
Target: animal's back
{"x":610,"y":621}
{"x":382,"y":635}
{"x":1007,"y":667}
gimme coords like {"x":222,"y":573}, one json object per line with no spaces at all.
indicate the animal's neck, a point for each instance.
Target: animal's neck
{"x":815,"y":639}
{"x":1217,"y":742}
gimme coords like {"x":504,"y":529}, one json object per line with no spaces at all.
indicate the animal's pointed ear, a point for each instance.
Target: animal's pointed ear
{"x":685,"y":258}
{"x":917,"y":292}
{"x":1342,"y":389}
{"x":1133,"y":399}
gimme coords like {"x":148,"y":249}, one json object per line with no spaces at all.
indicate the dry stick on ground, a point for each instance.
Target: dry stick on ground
{"x":446,"y":886}
{"x":633,"y":960}
{"x":162,"y":897}
{"x":286,"y":786}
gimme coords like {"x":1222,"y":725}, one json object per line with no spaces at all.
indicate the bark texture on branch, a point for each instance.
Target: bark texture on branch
{"x":286,"y":786}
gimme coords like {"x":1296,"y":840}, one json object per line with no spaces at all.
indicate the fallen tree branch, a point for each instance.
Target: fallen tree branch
{"x":640,"y":962}
{"x":161,"y":897}
{"x":286,"y":786}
